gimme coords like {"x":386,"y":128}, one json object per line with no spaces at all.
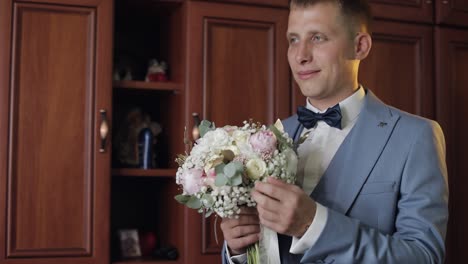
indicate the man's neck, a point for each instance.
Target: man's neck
{"x":325,"y":103}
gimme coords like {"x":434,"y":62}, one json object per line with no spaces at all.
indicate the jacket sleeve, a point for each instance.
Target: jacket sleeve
{"x":421,"y":218}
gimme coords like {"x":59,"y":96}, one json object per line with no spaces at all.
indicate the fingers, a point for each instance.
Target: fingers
{"x":242,"y":232}
{"x":275,"y":188}
{"x":243,"y":219}
{"x":239,"y":245}
{"x":248,"y":211}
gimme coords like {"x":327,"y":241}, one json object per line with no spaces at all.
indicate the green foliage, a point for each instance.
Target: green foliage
{"x":183,"y":199}
{"x":208,"y":200}
{"x":229,"y":174}
{"x":194,"y":203}
{"x":282,"y":141}
{"x":189,"y":200}
{"x":221,"y":180}
{"x":205,"y":126}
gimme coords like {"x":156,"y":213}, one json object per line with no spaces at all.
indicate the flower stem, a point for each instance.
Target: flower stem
{"x":253,"y":256}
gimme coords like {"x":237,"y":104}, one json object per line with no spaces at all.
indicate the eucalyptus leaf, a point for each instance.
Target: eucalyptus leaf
{"x":194,"y":203}
{"x":208,"y":213}
{"x":237,"y":180}
{"x":230,"y":170}
{"x":221,"y":180}
{"x":279,"y":136}
{"x":205,"y":126}
{"x":208,"y":200}
{"x":183,"y":199}
{"x":239,"y":166}
{"x":219,"y":169}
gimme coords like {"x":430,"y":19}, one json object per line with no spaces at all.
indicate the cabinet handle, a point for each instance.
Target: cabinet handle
{"x":445,"y":2}
{"x":103,"y":130}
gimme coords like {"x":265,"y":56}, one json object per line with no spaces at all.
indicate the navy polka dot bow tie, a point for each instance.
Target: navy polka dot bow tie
{"x":308,"y":118}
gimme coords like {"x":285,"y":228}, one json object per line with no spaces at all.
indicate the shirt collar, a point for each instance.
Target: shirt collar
{"x":350,"y":107}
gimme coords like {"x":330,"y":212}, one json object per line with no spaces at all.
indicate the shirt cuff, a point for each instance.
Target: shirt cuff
{"x":238,"y":259}
{"x":302,"y":244}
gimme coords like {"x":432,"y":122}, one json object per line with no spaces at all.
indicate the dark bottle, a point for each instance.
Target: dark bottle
{"x":145,"y":148}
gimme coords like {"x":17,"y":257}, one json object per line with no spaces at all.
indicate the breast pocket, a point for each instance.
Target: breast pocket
{"x":378,"y":187}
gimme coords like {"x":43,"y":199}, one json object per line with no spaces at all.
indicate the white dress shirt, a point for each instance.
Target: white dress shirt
{"x":315,"y":154}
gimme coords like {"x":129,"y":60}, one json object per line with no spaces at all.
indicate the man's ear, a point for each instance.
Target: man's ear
{"x":362,"y":45}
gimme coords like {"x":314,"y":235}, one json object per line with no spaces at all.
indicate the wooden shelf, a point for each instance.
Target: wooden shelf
{"x":145,"y":261}
{"x":156,"y":86}
{"x":164,"y":173}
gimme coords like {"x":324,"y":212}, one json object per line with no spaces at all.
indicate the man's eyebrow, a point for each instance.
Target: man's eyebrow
{"x":291,"y":34}
{"x":309,"y":33}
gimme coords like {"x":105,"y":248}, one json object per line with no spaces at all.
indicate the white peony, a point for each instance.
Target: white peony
{"x":241,"y":137}
{"x":217,"y":138}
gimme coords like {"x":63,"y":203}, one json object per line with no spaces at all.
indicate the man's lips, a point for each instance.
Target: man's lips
{"x":304,"y":75}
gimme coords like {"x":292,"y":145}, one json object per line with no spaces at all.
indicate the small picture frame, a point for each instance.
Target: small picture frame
{"x":129,"y":243}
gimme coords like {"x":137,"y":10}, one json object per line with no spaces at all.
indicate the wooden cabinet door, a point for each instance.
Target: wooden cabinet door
{"x":399,"y":67}
{"x":54,"y":181}
{"x":278,"y":3}
{"x":452,"y":12}
{"x":452,"y":110}
{"x":404,"y":10}
{"x":237,"y":70}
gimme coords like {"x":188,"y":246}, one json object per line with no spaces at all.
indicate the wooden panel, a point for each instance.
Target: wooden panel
{"x":50,"y":176}
{"x":5,"y":56}
{"x":57,"y":188}
{"x":66,"y":2}
{"x":452,"y":110}
{"x":398,"y":68}
{"x":407,"y":10}
{"x":453,"y":12}
{"x":279,"y":3}
{"x":238,"y":70}
{"x":212,"y":235}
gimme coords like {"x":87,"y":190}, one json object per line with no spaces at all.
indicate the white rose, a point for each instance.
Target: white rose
{"x":291,"y":161}
{"x":256,"y":168}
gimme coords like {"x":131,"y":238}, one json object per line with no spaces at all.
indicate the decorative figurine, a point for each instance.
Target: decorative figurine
{"x":127,"y":139}
{"x":157,"y":72}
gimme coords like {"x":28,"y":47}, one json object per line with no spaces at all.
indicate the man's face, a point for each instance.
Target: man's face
{"x":321,"y":54}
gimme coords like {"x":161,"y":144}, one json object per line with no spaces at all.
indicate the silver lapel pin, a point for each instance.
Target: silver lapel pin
{"x":382,"y":124}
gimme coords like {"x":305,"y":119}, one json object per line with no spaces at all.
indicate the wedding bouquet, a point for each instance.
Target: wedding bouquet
{"x":224,"y":164}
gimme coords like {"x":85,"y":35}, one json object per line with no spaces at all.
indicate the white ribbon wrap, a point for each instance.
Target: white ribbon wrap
{"x":268,"y":245}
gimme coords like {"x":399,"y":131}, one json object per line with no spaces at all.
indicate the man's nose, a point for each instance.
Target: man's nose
{"x":304,"y":54}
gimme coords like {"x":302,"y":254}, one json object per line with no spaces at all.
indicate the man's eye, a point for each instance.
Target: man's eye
{"x":293,"y":40}
{"x":317,"y":38}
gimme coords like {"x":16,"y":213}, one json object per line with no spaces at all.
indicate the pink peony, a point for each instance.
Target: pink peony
{"x":192,"y":180}
{"x":263,"y":142}
{"x":210,"y":177}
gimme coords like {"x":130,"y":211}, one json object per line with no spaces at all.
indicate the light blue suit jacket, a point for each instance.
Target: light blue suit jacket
{"x":385,"y":190}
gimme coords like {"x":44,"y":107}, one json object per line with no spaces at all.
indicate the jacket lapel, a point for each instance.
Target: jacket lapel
{"x":356,"y":157}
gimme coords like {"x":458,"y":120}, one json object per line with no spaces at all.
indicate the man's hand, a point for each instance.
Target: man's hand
{"x":242,"y":232}
{"x":283,"y":207}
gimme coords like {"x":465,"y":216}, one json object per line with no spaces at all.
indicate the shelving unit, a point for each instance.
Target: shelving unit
{"x":142,"y":85}
{"x":145,"y":262}
{"x":142,"y":199}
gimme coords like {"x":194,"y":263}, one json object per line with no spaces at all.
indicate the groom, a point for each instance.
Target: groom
{"x":373,"y":178}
